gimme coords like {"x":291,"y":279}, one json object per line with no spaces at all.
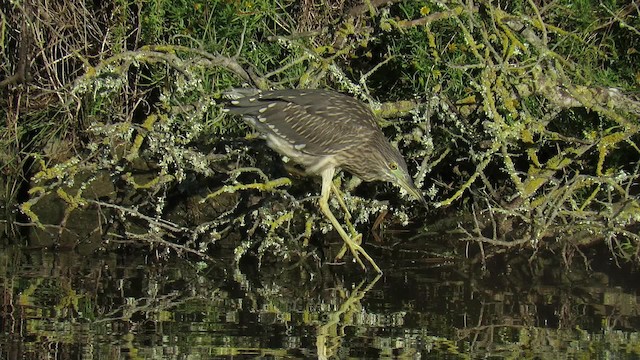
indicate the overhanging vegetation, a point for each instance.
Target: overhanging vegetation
{"x":523,"y":117}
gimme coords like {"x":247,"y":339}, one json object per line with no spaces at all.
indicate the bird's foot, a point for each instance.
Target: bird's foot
{"x":353,"y":244}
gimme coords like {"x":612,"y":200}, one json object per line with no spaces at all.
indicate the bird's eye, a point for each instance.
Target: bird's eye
{"x":393,"y":166}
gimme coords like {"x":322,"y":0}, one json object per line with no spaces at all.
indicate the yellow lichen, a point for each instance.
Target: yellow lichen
{"x":25,"y":207}
{"x":266,"y":187}
{"x":279,"y":221}
{"x":604,"y":145}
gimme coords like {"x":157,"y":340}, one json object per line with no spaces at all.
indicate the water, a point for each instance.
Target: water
{"x":133,"y":304}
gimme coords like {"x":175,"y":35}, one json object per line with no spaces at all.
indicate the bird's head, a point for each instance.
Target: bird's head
{"x":385,"y":163}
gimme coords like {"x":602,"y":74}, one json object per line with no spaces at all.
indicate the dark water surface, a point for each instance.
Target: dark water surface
{"x":130,"y":304}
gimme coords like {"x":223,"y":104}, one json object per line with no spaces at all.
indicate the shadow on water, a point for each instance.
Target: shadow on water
{"x":66,"y":305}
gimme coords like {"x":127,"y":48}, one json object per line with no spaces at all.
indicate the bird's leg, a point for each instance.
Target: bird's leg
{"x":340,"y":196}
{"x":347,"y":214}
{"x":347,"y":218}
{"x":352,"y":243}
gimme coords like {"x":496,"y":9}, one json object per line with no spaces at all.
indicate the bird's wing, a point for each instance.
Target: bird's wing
{"x":315,"y":122}
{"x":331,"y":105}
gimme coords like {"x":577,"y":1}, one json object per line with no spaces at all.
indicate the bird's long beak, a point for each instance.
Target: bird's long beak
{"x":407,"y":184}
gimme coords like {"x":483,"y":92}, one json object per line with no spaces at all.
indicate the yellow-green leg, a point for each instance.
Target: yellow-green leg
{"x":343,"y":205}
{"x":352,"y":243}
{"x":340,"y":196}
{"x":347,"y":218}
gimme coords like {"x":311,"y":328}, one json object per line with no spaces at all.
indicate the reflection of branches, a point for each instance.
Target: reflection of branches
{"x":145,"y":305}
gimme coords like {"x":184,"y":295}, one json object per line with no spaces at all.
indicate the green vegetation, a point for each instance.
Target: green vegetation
{"x":522,"y":118}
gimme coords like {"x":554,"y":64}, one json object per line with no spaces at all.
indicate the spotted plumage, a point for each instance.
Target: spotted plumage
{"x":324,"y":130}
